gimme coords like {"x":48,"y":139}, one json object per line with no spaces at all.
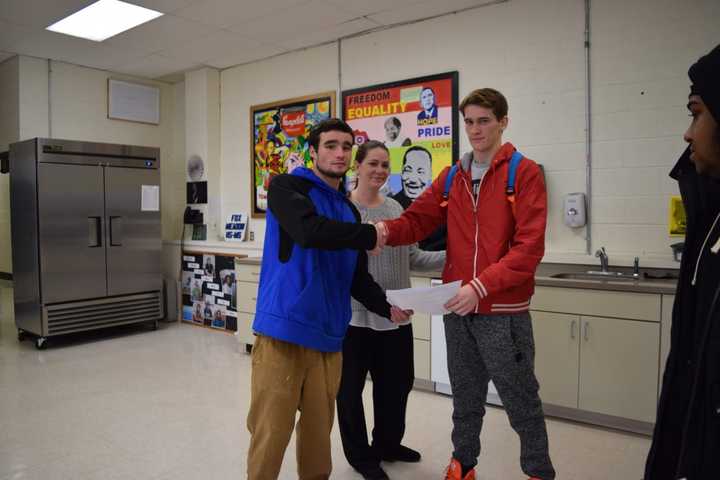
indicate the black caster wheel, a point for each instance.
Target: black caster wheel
{"x":41,"y":343}
{"x":21,"y":335}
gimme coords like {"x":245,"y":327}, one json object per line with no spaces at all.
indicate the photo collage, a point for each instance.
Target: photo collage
{"x":209,"y":290}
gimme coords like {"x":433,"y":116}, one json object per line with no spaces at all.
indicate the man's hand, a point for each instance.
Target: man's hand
{"x":464,"y":302}
{"x":382,"y":234}
{"x":398,"y":315}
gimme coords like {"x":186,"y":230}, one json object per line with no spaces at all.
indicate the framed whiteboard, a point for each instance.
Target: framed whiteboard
{"x":133,"y":102}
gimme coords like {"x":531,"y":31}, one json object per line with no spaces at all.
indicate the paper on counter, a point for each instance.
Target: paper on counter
{"x":429,"y":300}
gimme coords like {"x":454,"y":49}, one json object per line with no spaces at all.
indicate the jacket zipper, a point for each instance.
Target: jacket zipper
{"x":474,"y":204}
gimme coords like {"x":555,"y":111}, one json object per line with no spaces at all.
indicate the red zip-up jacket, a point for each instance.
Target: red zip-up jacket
{"x":489,"y":247}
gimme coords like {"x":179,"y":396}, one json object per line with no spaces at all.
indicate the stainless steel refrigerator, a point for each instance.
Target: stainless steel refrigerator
{"x":86,"y":244}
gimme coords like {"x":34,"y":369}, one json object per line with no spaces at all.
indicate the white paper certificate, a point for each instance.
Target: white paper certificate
{"x":429,"y":300}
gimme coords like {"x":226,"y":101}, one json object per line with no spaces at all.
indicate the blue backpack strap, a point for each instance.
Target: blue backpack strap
{"x":512,"y":172}
{"x":448,"y":183}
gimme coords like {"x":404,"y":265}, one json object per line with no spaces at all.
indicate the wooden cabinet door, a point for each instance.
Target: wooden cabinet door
{"x":619,"y":367}
{"x":420,"y":321}
{"x":244,"y":331}
{"x":421,"y":357}
{"x":557,"y":357}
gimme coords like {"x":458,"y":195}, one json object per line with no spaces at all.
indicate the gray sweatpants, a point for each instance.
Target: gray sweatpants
{"x":500,"y":348}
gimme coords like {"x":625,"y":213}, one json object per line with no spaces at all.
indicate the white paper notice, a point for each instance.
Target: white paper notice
{"x":150,"y":198}
{"x":429,"y":300}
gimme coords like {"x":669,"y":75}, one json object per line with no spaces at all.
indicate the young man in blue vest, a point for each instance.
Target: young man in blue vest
{"x":314,"y":260}
{"x":495,"y":207}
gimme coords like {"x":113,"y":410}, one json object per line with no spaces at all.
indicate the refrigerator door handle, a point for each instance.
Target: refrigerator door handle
{"x":94,"y":232}
{"x":116,"y":231}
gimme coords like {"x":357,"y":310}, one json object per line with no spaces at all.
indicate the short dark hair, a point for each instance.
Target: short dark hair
{"x":395,"y":121}
{"x":416,"y":148}
{"x":427,"y":88}
{"x":329,"y":125}
{"x":365,"y":148}
{"x":487,"y":98}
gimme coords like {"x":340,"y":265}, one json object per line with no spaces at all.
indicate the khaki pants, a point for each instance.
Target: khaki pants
{"x":287,"y":378}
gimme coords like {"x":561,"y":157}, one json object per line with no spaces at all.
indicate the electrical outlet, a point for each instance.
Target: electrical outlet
{"x":252,"y":236}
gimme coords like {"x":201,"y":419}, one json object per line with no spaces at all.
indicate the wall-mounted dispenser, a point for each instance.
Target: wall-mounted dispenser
{"x":574,"y":210}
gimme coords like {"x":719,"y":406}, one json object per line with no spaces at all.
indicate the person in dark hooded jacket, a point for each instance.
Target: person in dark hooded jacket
{"x":686,"y":441}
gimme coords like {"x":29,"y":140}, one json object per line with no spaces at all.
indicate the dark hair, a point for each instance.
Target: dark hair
{"x":365,"y":148}
{"x":329,"y":125}
{"x":427,"y":88}
{"x":487,"y":98}
{"x":395,"y":121}
{"x":416,"y":148}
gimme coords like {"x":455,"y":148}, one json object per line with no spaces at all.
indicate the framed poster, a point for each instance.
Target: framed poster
{"x":279,"y":133}
{"x":416,"y":119}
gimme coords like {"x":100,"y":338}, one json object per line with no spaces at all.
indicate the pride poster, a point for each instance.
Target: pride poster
{"x":416,"y":119}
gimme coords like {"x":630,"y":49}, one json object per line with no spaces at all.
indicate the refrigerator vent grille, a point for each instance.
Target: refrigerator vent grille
{"x":107,"y":312}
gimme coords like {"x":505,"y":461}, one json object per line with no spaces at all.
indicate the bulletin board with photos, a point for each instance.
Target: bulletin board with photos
{"x":209,"y":290}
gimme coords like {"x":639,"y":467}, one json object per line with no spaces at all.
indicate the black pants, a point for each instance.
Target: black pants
{"x":388,"y":356}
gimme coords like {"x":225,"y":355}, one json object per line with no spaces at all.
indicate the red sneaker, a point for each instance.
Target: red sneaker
{"x":454,"y":472}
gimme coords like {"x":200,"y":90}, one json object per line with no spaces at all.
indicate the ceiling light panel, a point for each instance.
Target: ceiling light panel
{"x":103,"y":19}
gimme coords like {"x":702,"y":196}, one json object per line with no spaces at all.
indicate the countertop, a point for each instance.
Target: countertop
{"x":546,"y":270}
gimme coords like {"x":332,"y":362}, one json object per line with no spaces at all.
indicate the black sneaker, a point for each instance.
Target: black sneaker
{"x":372,"y":472}
{"x":402,"y":454}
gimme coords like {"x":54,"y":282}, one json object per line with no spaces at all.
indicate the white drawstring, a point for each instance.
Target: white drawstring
{"x":707,"y":237}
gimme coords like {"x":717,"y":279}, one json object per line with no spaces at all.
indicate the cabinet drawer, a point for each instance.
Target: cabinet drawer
{"x":636,"y":306}
{"x":247,"y":273}
{"x":246,"y":296}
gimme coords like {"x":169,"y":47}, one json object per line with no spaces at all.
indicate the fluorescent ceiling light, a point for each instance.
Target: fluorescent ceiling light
{"x":103,"y":19}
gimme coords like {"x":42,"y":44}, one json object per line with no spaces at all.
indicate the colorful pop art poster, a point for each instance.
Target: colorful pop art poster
{"x":279,"y":132}
{"x":416,"y":119}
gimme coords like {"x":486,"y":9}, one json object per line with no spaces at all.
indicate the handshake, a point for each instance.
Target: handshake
{"x":382,"y":235}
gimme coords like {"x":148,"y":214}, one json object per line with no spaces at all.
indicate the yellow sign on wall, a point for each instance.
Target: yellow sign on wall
{"x":677,"y":220}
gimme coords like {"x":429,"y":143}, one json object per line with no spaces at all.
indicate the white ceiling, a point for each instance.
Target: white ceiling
{"x":195,"y":33}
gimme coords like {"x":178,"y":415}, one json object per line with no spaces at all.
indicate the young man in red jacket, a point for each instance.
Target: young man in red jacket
{"x":496,"y":239}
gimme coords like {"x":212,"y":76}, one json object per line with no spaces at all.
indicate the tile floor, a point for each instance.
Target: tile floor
{"x":171,"y":405}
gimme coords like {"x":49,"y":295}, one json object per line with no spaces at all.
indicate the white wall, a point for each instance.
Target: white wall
{"x":641,"y":53}
{"x":302,"y":73}
{"x":9,"y":133}
{"x":533,"y":52}
{"x":70,"y":102}
{"x":79,"y":112}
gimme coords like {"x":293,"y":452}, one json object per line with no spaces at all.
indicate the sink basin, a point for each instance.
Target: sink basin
{"x":612,"y":277}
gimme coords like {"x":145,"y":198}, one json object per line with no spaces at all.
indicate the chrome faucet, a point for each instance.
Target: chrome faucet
{"x":636,"y":268}
{"x":602,"y":255}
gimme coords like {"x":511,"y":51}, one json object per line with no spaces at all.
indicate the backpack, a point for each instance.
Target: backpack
{"x":509,"y":186}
